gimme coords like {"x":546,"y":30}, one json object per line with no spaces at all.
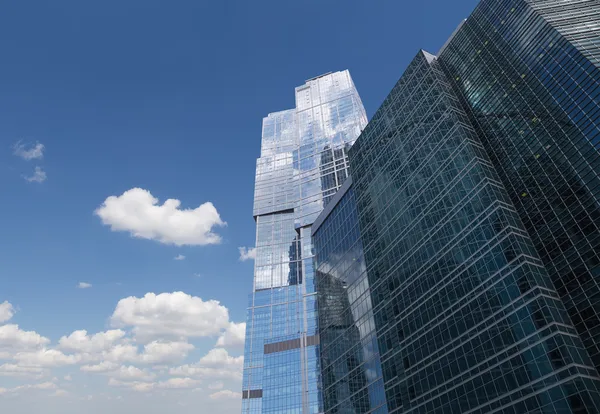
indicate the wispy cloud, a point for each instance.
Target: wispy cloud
{"x":29,"y":152}
{"x":247,"y":253}
{"x":39,"y":176}
{"x":179,"y":257}
{"x":84,"y":285}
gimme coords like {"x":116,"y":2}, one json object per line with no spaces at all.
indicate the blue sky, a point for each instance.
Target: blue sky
{"x":167,"y":97}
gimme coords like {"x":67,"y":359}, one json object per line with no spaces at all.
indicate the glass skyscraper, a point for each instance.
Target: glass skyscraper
{"x":529,"y":74}
{"x":303,"y":162}
{"x":458,"y":269}
{"x":350,"y":363}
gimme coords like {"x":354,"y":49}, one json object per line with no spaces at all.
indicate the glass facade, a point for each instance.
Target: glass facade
{"x":466,"y":316}
{"x":458,"y":269}
{"x":302,"y":164}
{"x":350,"y":364}
{"x":528,"y":73}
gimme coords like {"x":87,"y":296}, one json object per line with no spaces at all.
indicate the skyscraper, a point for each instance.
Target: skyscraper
{"x":528,"y":72}
{"x":302,"y":164}
{"x":350,"y":362}
{"x":458,"y":269}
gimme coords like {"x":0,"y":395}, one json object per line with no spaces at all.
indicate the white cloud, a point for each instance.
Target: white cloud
{"x":104,"y":366}
{"x":136,"y":211}
{"x":121,"y":353}
{"x":218,"y":385}
{"x":153,"y":353}
{"x":13,"y":337}
{"x":39,"y":176}
{"x":29,"y":152}
{"x":46,"y":358}
{"x":134,"y":385}
{"x":247,"y":253}
{"x":80,"y":341}
{"x":179,"y":257}
{"x":178,"y":383}
{"x":132,"y":373}
{"x":41,"y":386}
{"x":14,"y":370}
{"x":171,"y":383}
{"x":233,"y":336}
{"x":27,"y":387}
{"x":225,"y":395}
{"x":217,"y":364}
{"x":219,"y":357}
{"x":6,"y":311}
{"x":84,"y":285}
{"x":147,"y":354}
{"x":164,"y":352}
{"x":171,"y":314}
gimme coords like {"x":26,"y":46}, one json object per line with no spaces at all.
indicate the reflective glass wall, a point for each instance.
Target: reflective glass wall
{"x":529,"y":76}
{"x":350,"y":363}
{"x":302,"y":164}
{"x":466,"y":316}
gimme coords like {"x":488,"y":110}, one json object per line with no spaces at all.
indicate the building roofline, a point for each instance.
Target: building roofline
{"x":451,"y":37}
{"x":320,"y":76}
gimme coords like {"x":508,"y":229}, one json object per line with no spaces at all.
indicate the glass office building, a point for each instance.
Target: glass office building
{"x":529,"y":75}
{"x":458,"y":269}
{"x":350,"y":364}
{"x":303,"y":162}
{"x":466,"y":316}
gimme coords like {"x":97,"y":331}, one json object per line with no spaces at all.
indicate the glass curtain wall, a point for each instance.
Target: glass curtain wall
{"x":302,"y":164}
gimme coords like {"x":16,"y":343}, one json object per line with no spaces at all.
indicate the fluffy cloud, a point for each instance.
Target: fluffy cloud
{"x":121,"y":353}
{"x":29,"y":152}
{"x":178,"y":383}
{"x":216,"y":385}
{"x":45,"y":358}
{"x":13,"y":337}
{"x":136,"y":211}
{"x":179,"y":257}
{"x":220,"y":358}
{"x":156,"y":352}
{"x":225,"y":395}
{"x":39,"y":176}
{"x":233,"y":336}
{"x":104,"y":366}
{"x":84,"y":285}
{"x":164,"y":352}
{"x":6,"y":311}
{"x":80,"y":341}
{"x":127,"y":373}
{"x":217,"y":364}
{"x":247,"y":253}
{"x":174,"y":314}
{"x":145,"y":352}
